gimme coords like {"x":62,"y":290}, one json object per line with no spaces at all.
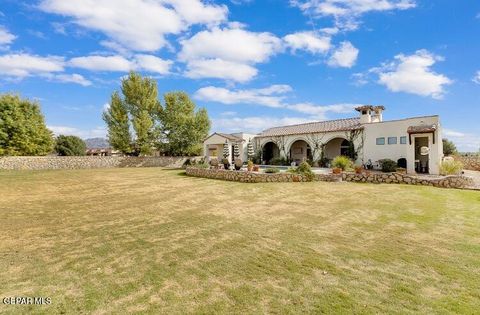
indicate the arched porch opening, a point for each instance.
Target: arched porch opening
{"x":270,"y":151}
{"x":300,"y":151}
{"x":335,"y":147}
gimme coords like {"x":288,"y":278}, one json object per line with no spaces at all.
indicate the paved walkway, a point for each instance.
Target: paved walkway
{"x":476,"y":178}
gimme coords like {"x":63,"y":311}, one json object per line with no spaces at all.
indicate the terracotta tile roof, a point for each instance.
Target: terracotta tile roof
{"x":422,"y":128}
{"x":314,"y":127}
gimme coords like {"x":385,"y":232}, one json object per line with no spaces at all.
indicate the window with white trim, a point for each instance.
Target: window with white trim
{"x":380,"y":141}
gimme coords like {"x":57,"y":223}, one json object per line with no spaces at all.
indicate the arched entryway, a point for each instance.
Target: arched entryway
{"x":300,"y":151}
{"x":336,"y":147}
{"x":270,"y":151}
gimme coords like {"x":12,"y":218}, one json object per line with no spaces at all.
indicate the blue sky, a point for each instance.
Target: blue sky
{"x":253,"y":64}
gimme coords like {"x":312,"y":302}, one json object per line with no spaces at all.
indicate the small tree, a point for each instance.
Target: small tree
{"x":352,"y":137}
{"x":70,"y":146}
{"x":236,"y":150}
{"x":226,"y":150}
{"x":250,"y":150}
{"x":22,"y":127}
{"x":449,"y":147}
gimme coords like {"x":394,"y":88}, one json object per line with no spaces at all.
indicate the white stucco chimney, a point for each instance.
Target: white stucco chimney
{"x":370,"y":114}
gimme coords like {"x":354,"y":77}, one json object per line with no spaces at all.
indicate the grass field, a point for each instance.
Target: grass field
{"x":156,"y":241}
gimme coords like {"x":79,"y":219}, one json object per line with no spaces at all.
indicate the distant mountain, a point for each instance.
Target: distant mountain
{"x":97,"y":143}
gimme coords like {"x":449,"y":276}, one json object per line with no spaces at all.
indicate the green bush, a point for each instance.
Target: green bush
{"x":306,"y":170}
{"x":202,"y":165}
{"x":279,"y":161}
{"x":70,"y":146}
{"x":342,"y":162}
{"x":272,"y":170}
{"x":450,"y":167}
{"x":388,"y":165}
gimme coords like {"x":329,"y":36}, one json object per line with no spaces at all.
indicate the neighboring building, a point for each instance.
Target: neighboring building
{"x":415,"y":143}
{"x":213,"y":145}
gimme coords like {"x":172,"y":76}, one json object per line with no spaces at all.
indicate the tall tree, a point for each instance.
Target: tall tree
{"x":22,"y":128}
{"x":70,"y":146}
{"x":449,"y":147}
{"x":116,"y":118}
{"x":131,"y":118}
{"x":182,"y":127}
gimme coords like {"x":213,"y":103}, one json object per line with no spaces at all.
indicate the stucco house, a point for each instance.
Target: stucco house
{"x":414,"y":143}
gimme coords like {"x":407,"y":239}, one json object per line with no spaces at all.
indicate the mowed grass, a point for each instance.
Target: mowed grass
{"x":150,"y":240}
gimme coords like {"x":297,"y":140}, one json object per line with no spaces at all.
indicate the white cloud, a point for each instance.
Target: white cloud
{"x":271,"y":96}
{"x":24,"y":65}
{"x":465,"y":142}
{"x":347,"y":12}
{"x":345,"y":56}
{"x":220,"y":69}
{"x":6,"y":37}
{"x":254,"y":124}
{"x":309,"y":41}
{"x":139,"y":25}
{"x":118,"y":63}
{"x":413,"y":74}
{"x":102,"y":63}
{"x":227,"y":53}
{"x":82,"y":133}
{"x":72,"y":78}
{"x":232,"y":44}
{"x":153,"y":64}
{"x":476,"y":78}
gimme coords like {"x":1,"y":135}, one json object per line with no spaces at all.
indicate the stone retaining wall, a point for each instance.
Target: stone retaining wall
{"x":393,"y":178}
{"x":471,"y":163}
{"x":251,"y":177}
{"x":454,"y":181}
{"x":86,"y":162}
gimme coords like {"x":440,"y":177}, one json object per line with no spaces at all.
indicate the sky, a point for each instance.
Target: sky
{"x":253,"y":64}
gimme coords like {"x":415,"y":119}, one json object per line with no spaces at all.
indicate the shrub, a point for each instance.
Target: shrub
{"x":450,"y":167}
{"x":279,"y":161}
{"x":202,"y":165}
{"x":342,"y":162}
{"x":449,"y":147}
{"x":214,"y":162}
{"x":306,"y":170}
{"x":225,"y":161}
{"x":388,"y":165}
{"x":238,"y":163}
{"x":272,"y":170}
{"x":70,"y":146}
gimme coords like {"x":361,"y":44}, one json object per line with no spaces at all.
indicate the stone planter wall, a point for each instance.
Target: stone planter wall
{"x":388,"y":178}
{"x":251,"y":177}
{"x":86,"y":162}
{"x":471,"y":163}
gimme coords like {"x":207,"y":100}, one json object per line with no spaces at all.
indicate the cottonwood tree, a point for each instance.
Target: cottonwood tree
{"x":131,"y":116}
{"x":182,"y":127}
{"x":22,"y":127}
{"x":70,"y":146}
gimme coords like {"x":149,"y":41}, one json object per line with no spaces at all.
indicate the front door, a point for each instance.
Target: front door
{"x":422,"y":155}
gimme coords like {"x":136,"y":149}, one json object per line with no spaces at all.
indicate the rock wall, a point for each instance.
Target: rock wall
{"x":471,"y":163}
{"x":86,"y":162}
{"x":389,"y":178}
{"x":251,"y":177}
{"x":454,"y":181}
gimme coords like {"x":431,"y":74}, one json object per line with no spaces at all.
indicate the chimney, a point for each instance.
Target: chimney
{"x":365,"y":114}
{"x":370,"y":114}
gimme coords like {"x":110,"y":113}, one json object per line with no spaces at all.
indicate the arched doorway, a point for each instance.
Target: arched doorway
{"x":270,"y":151}
{"x":300,"y":151}
{"x":336,"y":147}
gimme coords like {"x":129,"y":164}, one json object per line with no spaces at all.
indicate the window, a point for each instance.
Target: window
{"x":380,"y":141}
{"x":392,"y":140}
{"x":403,"y":140}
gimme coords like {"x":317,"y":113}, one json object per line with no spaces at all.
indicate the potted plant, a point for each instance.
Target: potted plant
{"x":336,"y":170}
{"x":238,"y":164}
{"x":250,"y":166}
{"x":226,"y":154}
{"x":225,"y":163}
{"x":401,"y":170}
{"x":214,"y":163}
{"x":341,"y":163}
{"x":256,"y":168}
{"x":358,"y":169}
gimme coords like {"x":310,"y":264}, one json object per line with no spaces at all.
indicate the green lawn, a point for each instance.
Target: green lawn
{"x":155,"y":241}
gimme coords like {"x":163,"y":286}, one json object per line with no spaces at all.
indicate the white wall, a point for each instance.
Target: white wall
{"x":398,"y":128}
